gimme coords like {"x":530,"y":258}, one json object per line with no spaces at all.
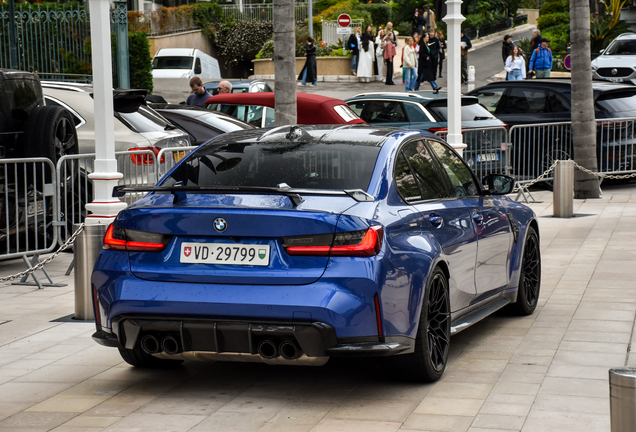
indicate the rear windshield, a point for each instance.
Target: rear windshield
{"x":172,"y":63}
{"x":618,"y":102}
{"x":471,"y":111}
{"x":144,"y":120}
{"x":299,"y":165}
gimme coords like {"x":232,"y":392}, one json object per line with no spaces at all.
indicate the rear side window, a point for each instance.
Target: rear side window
{"x":19,"y":95}
{"x":471,"y":110}
{"x":623,"y":102}
{"x":426,"y":172}
{"x":300,"y":165}
{"x":490,"y":98}
{"x":144,"y":120}
{"x":376,"y":111}
{"x":526,"y":101}
{"x":415,"y":113}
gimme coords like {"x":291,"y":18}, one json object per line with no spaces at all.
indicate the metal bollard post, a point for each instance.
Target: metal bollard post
{"x":563,"y":197}
{"x":471,"y":78}
{"x":87,"y":247}
{"x":622,"y":381}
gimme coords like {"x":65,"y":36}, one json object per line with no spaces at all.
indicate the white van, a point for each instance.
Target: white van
{"x":185,"y":63}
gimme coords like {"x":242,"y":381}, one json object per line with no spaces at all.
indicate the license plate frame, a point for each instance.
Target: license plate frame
{"x":487,"y":157}
{"x":217,"y":254}
{"x":37,"y":207}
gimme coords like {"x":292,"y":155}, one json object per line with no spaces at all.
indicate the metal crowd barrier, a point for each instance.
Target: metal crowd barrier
{"x":27,"y":207}
{"x":486,"y":151}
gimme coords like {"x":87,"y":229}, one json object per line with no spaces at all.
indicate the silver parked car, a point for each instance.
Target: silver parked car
{"x":137,"y":126}
{"x":617,"y":62}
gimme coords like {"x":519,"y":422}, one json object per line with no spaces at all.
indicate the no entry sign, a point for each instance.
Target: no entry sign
{"x":344,"y":20}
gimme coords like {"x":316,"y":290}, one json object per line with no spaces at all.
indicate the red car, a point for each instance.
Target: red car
{"x":257,"y":109}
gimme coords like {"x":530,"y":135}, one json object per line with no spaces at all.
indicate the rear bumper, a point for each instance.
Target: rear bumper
{"x":241,"y":337}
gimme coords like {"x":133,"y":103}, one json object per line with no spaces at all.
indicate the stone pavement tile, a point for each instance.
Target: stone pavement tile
{"x":499,"y":421}
{"x":506,"y":409}
{"x":120,"y":405}
{"x":530,"y":360}
{"x":93,"y":356}
{"x":61,"y":374}
{"x":7,"y":409}
{"x":515,"y":376}
{"x":486,"y":354}
{"x":609,"y":337}
{"x":184,"y":405}
{"x":605,"y":315}
{"x":285,"y":427}
{"x":333,"y":425}
{"x":95,"y":387}
{"x":594,"y":347}
{"x":266,"y":406}
{"x":468,"y":376}
{"x":75,"y":429}
{"x":589,"y":358}
{"x":155,"y":422}
{"x":26,"y":364}
{"x":558,"y":421}
{"x":567,"y":403}
{"x":575,"y":387}
{"x":382,"y":410}
{"x":35,"y":420}
{"x":565,"y":370}
{"x":478,"y":429}
{"x":478,"y":365}
{"x":391,"y":390}
{"x":441,"y":423}
{"x":29,"y":392}
{"x":516,"y":388}
{"x":586,"y":325}
{"x":446,"y":389}
{"x":302,"y":412}
{"x":67,"y":403}
{"x":86,"y":421}
{"x":233,"y":422}
{"x":507,"y":398}
{"x":449,"y":406}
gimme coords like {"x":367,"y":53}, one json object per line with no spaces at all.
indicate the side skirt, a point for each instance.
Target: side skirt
{"x":465,"y":321}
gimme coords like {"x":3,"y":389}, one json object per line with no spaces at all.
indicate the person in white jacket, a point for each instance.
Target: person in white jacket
{"x":515,"y":66}
{"x":380,"y":43}
{"x":410,"y":66}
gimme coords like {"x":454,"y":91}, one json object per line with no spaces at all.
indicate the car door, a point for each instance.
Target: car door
{"x":381,"y":112}
{"x":560,"y":107}
{"x":418,"y":117}
{"x":524,"y":105}
{"x":488,"y":218}
{"x":445,"y":218}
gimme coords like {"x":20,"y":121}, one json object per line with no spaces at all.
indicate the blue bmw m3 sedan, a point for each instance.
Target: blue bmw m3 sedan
{"x":294,"y":244}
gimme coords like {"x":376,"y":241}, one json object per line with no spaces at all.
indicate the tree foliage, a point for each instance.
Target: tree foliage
{"x":243,"y":39}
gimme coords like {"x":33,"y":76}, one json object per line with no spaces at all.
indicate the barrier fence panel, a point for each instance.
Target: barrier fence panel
{"x":27,"y":207}
{"x":139,"y":168}
{"x":535,"y":147}
{"x":486,"y":151}
{"x":617,"y":143}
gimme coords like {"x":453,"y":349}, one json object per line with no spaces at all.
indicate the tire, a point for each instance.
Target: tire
{"x":138,"y":358}
{"x":50,"y":133}
{"x":432,"y":342}
{"x":529,"y":276}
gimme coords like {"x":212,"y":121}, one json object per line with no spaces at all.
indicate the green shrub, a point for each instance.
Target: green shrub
{"x":204,"y":14}
{"x":242,"y":40}
{"x":551,"y":20}
{"x":267,"y":51}
{"x":321,"y":5}
{"x":140,"y":61}
{"x":559,"y":36}
{"x":555,"y":7}
{"x":529,"y":4}
{"x":381,"y":13}
{"x":473,"y":21}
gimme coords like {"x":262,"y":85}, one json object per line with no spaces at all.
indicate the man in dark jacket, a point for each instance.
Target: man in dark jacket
{"x":465,"y":45}
{"x":506,"y":48}
{"x":434,"y":47}
{"x":536,"y":38}
{"x":353,"y":45}
{"x":419,"y":22}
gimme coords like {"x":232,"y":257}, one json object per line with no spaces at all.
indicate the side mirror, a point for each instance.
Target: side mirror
{"x":601,"y":51}
{"x":498,"y":184}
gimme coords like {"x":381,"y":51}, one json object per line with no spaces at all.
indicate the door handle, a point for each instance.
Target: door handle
{"x":436,"y":220}
{"x":478,"y":218}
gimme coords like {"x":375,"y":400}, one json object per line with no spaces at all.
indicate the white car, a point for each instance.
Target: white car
{"x":617,"y":62}
{"x":136,"y":125}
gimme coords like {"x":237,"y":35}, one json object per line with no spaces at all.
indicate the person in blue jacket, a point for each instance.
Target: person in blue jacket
{"x":541,"y":60}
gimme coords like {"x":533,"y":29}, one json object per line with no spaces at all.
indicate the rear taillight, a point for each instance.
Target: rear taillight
{"x":118,"y":238}
{"x":362,"y":243}
{"x":144,"y":158}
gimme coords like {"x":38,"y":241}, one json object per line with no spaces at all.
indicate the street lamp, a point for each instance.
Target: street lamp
{"x":453,"y":20}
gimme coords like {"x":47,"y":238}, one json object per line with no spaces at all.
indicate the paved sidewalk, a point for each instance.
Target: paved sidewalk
{"x":545,"y":372}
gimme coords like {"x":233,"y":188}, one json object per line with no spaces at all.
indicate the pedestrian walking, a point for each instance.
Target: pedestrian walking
{"x":389,"y":53}
{"x":536,"y":38}
{"x":515,"y":65}
{"x":506,"y":47}
{"x":198,"y":94}
{"x":433,"y":46}
{"x":465,"y":46}
{"x":416,"y":45}
{"x":408,"y":66}
{"x":418,"y":21}
{"x":310,"y":70}
{"x":367,"y":56}
{"x":541,"y":60}
{"x":429,"y":16}
{"x":380,"y":43}
{"x":353,"y":45}
{"x":425,"y":65}
{"x":442,"y":50}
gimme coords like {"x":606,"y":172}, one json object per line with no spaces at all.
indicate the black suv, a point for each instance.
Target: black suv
{"x":548,"y":101}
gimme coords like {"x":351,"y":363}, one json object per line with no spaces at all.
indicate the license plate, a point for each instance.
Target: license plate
{"x":225,"y":253}
{"x":618,"y":80}
{"x":178,"y":156}
{"x":36,"y":207}
{"x":486,"y":157}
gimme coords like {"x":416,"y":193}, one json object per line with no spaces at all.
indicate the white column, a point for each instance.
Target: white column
{"x":104,"y":207}
{"x":453,"y":20}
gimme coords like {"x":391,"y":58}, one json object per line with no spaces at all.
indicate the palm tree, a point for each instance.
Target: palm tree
{"x":583,"y":124}
{"x":284,"y":62}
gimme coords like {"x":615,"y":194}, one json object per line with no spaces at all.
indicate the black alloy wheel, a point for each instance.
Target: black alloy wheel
{"x":432,"y":342}
{"x":529,"y":276}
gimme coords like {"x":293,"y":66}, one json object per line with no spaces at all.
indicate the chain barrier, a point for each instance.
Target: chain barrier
{"x":41,"y":264}
{"x":537,"y":180}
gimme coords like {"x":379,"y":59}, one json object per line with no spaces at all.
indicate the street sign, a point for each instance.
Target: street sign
{"x":567,"y":62}
{"x":343,"y":30}
{"x":344,"y":20}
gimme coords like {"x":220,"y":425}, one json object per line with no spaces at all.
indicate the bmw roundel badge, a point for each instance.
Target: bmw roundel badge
{"x":220,"y":225}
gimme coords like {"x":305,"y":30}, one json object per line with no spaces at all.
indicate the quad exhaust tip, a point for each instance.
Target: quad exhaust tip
{"x":289,"y":350}
{"x":267,"y":349}
{"x":170,"y":345}
{"x":150,"y":344}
